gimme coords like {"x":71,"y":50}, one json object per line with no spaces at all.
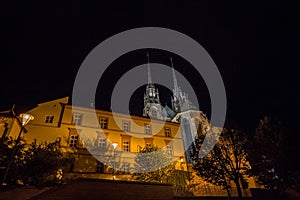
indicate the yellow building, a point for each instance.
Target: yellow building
{"x":74,"y":128}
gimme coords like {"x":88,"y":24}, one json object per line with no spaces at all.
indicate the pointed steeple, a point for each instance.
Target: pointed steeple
{"x":177,"y":94}
{"x":149,"y":71}
{"x":174,"y":76}
{"x":151,"y":96}
{"x":180,"y":101}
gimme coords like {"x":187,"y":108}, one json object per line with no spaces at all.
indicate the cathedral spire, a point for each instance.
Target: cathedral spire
{"x":149,"y":71}
{"x":174,"y":76}
{"x":180,"y":101}
{"x":151,"y":97}
{"x":177,"y":94}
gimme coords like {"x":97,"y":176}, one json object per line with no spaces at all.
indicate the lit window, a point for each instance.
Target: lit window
{"x":148,"y":129}
{"x":103,"y":122}
{"x":167,"y":132}
{"x":169,"y":149}
{"x":126,"y":126}
{"x":49,"y":119}
{"x":77,"y":118}
{"x":126,"y":146}
{"x":73,"y":142}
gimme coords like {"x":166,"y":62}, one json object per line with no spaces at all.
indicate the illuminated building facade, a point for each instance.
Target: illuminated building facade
{"x":87,"y":133}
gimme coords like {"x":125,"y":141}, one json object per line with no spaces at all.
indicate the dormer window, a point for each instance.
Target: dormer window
{"x":126,"y":126}
{"x":167,"y":131}
{"x":77,"y":118}
{"x":148,"y":129}
{"x":103,"y":121}
{"x":49,"y":119}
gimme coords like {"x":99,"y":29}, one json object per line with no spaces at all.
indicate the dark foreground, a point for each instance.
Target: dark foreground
{"x":104,"y":189}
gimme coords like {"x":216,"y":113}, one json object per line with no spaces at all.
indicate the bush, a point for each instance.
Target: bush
{"x":33,"y":164}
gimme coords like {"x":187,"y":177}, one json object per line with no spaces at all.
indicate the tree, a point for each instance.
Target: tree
{"x":156,"y":165}
{"x":43,"y":160}
{"x":267,"y":155}
{"x":226,"y":162}
{"x":153,"y":165}
{"x":7,"y":146}
{"x":32,"y":164}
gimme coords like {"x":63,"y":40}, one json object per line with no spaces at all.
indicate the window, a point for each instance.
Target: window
{"x":169,"y":149}
{"x":49,"y":119}
{"x":126,"y":126}
{"x":101,"y":143}
{"x":73,"y":140}
{"x":167,"y":131}
{"x":148,"y":142}
{"x":126,"y":142}
{"x":126,"y":146}
{"x":148,"y":129}
{"x":148,"y":145}
{"x":77,"y":118}
{"x":103,"y":122}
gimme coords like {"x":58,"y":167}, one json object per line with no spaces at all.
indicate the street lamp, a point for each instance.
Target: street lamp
{"x":115,"y":146}
{"x":25,"y":118}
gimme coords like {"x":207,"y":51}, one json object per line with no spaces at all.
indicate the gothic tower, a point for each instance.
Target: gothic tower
{"x":152,"y":106}
{"x":192,"y":121}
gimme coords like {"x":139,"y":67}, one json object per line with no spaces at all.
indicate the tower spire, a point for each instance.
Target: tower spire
{"x":152,"y":105}
{"x":174,"y":76}
{"x":149,"y":71}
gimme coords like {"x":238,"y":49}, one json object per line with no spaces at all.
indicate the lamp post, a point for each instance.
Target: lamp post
{"x":25,"y":118}
{"x":115,"y":147}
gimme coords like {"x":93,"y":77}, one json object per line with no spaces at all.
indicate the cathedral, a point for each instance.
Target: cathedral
{"x":182,"y":112}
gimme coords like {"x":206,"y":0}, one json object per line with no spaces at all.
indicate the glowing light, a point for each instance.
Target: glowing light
{"x":26,"y":118}
{"x":115,"y":145}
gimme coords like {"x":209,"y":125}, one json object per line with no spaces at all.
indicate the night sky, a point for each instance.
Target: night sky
{"x":44,"y":44}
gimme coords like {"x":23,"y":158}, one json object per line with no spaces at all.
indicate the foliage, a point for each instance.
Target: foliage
{"x":44,"y":160}
{"x":32,"y":164}
{"x":156,"y":166}
{"x":105,"y":153}
{"x":181,"y":183}
{"x":153,"y":165}
{"x":268,"y":157}
{"x":226,"y":162}
{"x":7,"y":146}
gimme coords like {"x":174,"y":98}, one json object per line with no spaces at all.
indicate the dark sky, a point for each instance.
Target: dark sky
{"x":44,"y":44}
